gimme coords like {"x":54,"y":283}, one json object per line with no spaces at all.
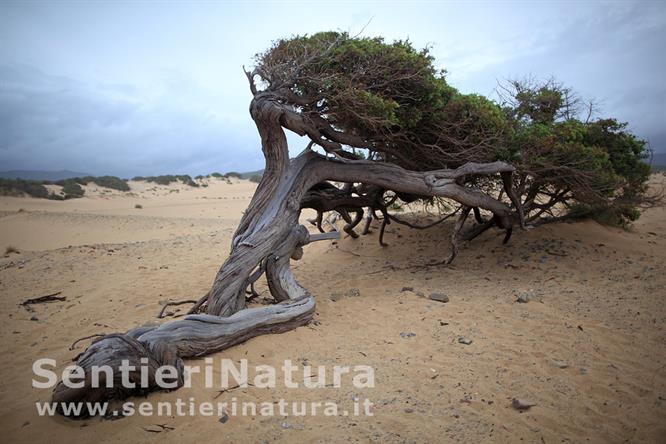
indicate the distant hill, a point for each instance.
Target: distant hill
{"x":41,"y":175}
{"x":252,"y":173}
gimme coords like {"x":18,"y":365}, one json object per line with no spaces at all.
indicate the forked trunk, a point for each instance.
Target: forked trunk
{"x":268,"y":236}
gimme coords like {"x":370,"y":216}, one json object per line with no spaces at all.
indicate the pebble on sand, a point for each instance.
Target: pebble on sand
{"x":525,"y":296}
{"x":521,"y":404}
{"x":439,"y":297}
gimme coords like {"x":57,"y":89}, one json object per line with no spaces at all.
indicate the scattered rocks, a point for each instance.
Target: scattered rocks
{"x":439,"y":297}
{"x":407,"y":335}
{"x":464,"y":340}
{"x":521,"y":404}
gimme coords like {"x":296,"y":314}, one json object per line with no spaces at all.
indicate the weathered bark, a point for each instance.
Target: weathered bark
{"x":275,"y":208}
{"x":168,"y":344}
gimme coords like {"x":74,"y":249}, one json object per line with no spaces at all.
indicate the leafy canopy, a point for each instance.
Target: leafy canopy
{"x":391,"y":100}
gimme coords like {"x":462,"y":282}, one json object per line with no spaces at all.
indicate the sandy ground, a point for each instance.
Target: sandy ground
{"x":589,"y":350}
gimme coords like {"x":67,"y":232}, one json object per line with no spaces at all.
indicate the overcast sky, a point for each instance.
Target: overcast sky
{"x":129,"y":88}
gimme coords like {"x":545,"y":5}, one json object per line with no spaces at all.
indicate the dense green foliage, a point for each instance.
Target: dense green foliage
{"x":389,"y":96}
{"x":167,"y":179}
{"x":71,"y":189}
{"x":112,"y":182}
{"x":596,"y":166}
{"x":389,"y":99}
{"x":9,"y":187}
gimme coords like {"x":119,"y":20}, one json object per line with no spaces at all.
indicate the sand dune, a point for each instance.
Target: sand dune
{"x":589,"y":349}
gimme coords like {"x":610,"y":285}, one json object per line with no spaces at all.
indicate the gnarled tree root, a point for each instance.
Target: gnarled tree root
{"x":168,"y":344}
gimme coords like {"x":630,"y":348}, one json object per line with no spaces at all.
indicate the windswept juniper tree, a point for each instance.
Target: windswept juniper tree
{"x":383,"y":124}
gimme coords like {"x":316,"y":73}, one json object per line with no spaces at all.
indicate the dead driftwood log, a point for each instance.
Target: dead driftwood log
{"x":170,"y":343}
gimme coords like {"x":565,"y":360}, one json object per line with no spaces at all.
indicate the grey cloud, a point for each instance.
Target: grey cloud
{"x":54,"y":122}
{"x":132,"y":89}
{"x":615,"y":57}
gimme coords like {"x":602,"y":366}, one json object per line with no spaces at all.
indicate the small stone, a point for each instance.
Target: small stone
{"x":467,"y":399}
{"x":335,"y":297}
{"x":560,"y":364}
{"x":224,"y":418}
{"x":408,"y":410}
{"x":34,"y":318}
{"x":354,"y":292}
{"x":407,"y":335}
{"x":464,"y":340}
{"x":407,"y":289}
{"x":525,"y":296}
{"x":439,"y":297}
{"x":285,"y":425}
{"x":521,"y":404}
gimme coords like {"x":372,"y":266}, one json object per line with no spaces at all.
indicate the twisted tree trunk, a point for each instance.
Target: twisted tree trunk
{"x":268,"y":236}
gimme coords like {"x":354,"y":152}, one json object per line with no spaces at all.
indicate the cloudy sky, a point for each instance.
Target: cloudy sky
{"x":129,"y":88}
